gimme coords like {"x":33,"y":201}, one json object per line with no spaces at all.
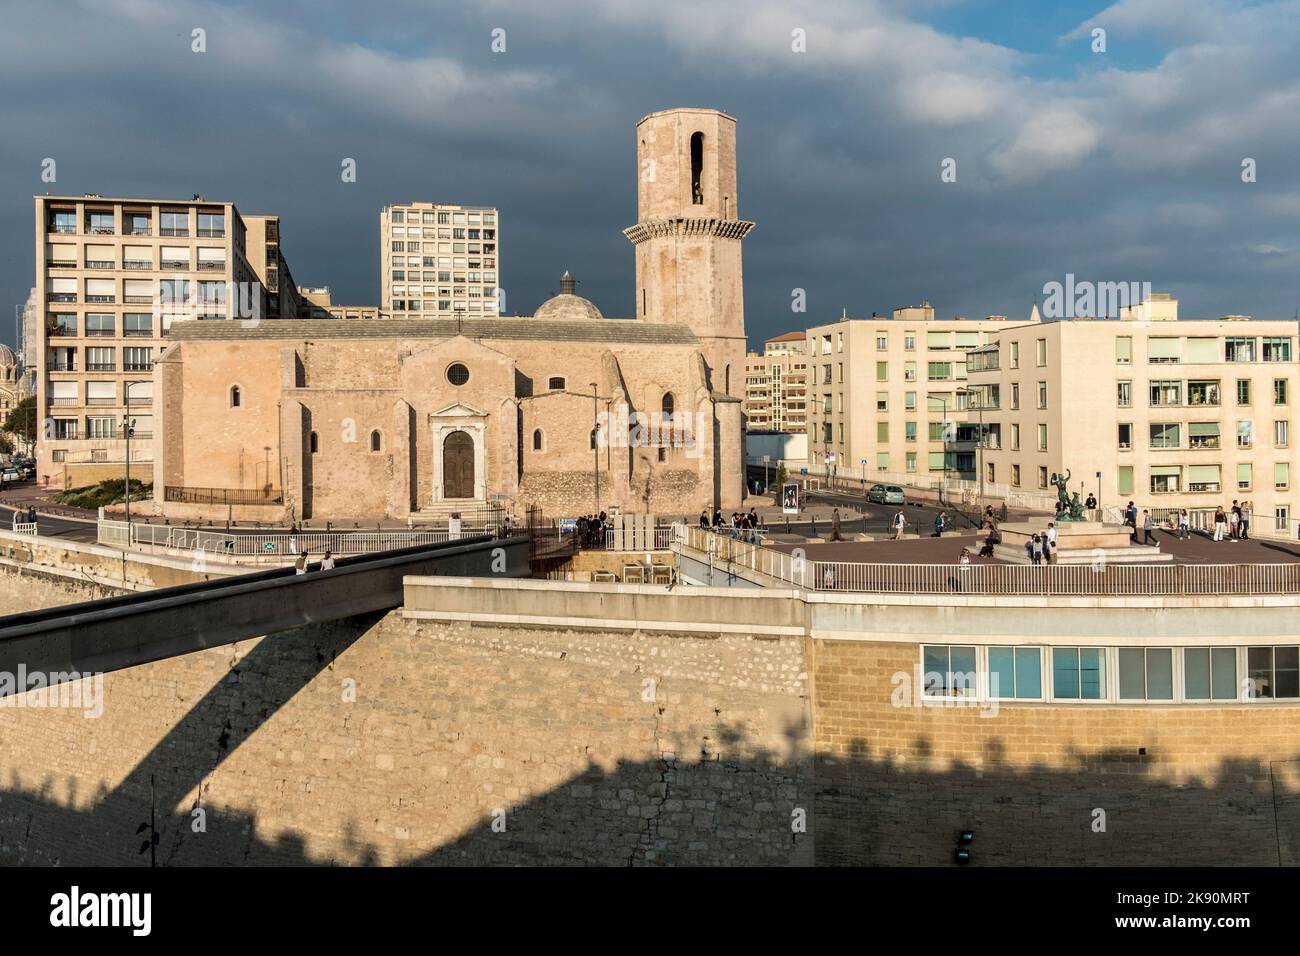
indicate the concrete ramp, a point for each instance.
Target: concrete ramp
{"x":70,"y":641}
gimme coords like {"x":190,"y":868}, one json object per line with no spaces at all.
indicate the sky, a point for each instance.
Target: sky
{"x":1114,"y":157}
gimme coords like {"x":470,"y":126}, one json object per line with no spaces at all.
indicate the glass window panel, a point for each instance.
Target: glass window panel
{"x":1259,"y":667}
{"x":1286,"y":672}
{"x":1002,"y":676}
{"x":935,"y":659}
{"x":1196,"y":673}
{"x":1132,"y":679}
{"x":1224,"y":674}
{"x":1065,"y":672}
{"x":1160,"y":673}
{"x":1029,"y":677}
{"x":1092,"y":673}
{"x":963,"y":671}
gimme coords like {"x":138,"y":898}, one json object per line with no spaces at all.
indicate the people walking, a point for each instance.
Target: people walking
{"x":300,"y":566}
{"x":1246,"y":514}
{"x":327,"y":562}
{"x":1148,"y":527}
{"x":1131,"y":519}
{"x":900,"y":522}
{"x":1049,"y":543}
{"x":1220,"y":523}
{"x":940,"y":523}
{"x":1184,"y":524}
{"x":835,"y":526}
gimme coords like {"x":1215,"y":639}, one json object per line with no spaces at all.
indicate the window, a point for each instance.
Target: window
{"x":1243,"y":391}
{"x":1202,"y":351}
{"x":235,"y":396}
{"x":1165,"y":478}
{"x":1042,"y":438}
{"x":1123,"y":349}
{"x":1015,"y":673}
{"x":1015,"y":355}
{"x":882,"y":401}
{"x":882,"y":461}
{"x":212,"y":225}
{"x":1238,"y":349}
{"x":457,"y":374}
{"x":1015,"y":396}
{"x":1272,"y":673}
{"x":174,"y":224}
{"x":1203,"y":393}
{"x":940,"y":371}
{"x":101,"y":427}
{"x":1281,"y":434}
{"x":100,"y":222}
{"x":1124,"y":394}
{"x":1146,"y":673}
{"x":882,"y":431}
{"x":1210,"y":673}
{"x":668,"y":405}
{"x":136,"y":359}
{"x":1281,"y":475}
{"x":1015,"y":437}
{"x":936,"y":431}
{"x":1042,"y":394}
{"x":1203,"y":435}
{"x":1277,"y":349}
{"x":882,"y":371}
{"x":1165,"y":436}
{"x":1166,"y":393}
{"x":909,"y":431}
{"x":1124,"y":480}
{"x":537,"y":439}
{"x":312,"y":443}
{"x":101,"y":360}
{"x":376,"y":441}
{"x":990,"y":472}
{"x":1078,"y":673}
{"x":1279,"y":391}
{"x":911,"y":461}
{"x":1203,"y":478}
{"x":1244,"y":476}
{"x":938,"y":340}
{"x":555,"y":383}
{"x":936,"y":461}
{"x":63,"y":221}
{"x":1162,"y":350}
{"x":1042,"y":476}
{"x":882,"y":342}
{"x":1125,"y":436}
{"x":909,"y":371}
{"x":1042,"y":352}
{"x":63,"y":324}
{"x":909,"y":342}
{"x":949,"y":670}
{"x":137,"y":324}
{"x":968,"y":340}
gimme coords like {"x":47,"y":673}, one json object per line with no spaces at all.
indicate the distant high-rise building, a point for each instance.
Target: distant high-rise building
{"x":776,"y":385}
{"x":437,"y":261}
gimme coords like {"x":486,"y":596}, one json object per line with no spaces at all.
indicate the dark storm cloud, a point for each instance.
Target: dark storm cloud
{"x":1107,"y":173}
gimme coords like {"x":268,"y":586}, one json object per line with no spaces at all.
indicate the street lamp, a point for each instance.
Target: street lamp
{"x":766,"y":459}
{"x":979,"y":445}
{"x":595,"y":443}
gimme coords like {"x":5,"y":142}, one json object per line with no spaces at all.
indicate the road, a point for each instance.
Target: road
{"x":53,"y":527}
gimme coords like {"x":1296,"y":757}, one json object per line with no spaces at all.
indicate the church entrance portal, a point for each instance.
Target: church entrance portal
{"x":458,"y":466}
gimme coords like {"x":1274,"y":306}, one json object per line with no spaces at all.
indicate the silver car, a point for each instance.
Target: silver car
{"x":885,"y":495}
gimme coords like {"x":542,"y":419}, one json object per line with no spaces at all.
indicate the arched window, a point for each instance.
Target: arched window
{"x":235,"y":396}
{"x":668,"y":404}
{"x":593,"y":437}
{"x":537,"y":439}
{"x":376,"y":442}
{"x":312,"y":443}
{"x":697,"y":168}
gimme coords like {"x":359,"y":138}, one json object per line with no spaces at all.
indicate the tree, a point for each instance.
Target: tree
{"x":21,"y":420}
{"x":6,"y":446}
{"x":781,"y":475}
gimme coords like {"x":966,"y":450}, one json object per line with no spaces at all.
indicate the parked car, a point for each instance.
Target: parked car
{"x":885,"y":495}
{"x":10,"y":475}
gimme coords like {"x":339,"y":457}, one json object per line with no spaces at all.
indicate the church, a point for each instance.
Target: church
{"x":566,"y":410}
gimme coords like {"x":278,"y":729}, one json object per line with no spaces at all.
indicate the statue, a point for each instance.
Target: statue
{"x":1067,"y":509}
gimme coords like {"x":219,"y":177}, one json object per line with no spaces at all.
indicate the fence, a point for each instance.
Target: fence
{"x":222,"y":496}
{"x":267,"y":546}
{"x":1099,"y":579}
{"x":960,"y":490}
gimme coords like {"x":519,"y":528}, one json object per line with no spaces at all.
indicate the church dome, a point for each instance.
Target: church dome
{"x":568,"y":304}
{"x":8,"y":359}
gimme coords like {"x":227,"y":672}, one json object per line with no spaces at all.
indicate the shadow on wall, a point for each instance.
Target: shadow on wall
{"x":691,"y":807}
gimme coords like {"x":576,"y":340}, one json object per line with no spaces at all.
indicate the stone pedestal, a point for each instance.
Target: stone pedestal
{"x":1077,"y":542}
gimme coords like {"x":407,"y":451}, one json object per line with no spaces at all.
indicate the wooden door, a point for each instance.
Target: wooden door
{"x":458,"y":466}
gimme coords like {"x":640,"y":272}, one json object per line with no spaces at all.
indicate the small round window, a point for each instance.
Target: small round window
{"x":457,"y":374}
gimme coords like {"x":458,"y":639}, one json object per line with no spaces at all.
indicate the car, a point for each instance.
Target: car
{"x":10,"y":475}
{"x":885,"y":495}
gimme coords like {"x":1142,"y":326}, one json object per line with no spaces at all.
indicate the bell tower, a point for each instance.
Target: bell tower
{"x":688,"y":235}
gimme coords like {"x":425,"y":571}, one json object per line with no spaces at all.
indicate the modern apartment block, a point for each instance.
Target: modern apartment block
{"x":1170,"y":413}
{"x":439,"y":261}
{"x":111,"y":277}
{"x":776,"y":385}
{"x":887,"y":396}
{"x":263,"y":250}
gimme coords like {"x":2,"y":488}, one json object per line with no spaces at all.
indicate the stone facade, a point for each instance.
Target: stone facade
{"x":395,"y":418}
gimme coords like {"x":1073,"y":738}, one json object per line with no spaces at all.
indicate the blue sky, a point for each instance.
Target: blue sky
{"x":1115,"y":166}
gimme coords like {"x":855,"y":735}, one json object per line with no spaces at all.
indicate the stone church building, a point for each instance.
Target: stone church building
{"x":567,"y":409}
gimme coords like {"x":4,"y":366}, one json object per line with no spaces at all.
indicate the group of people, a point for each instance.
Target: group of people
{"x":1233,"y":524}
{"x":744,"y":526}
{"x":1230,"y":524}
{"x":301,"y":565}
{"x":590,"y":530}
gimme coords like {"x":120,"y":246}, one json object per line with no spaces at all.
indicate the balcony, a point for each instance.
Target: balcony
{"x":131,"y":367}
{"x":64,"y":228}
{"x":180,"y":232}
{"x":1203,"y":441}
{"x":101,"y":231}
{"x":63,"y":366}
{"x":206,"y":266}
{"x":64,"y":402}
{"x":65,"y":434}
{"x":101,"y":367}
{"x":137,"y":299}
{"x":138,"y":231}
{"x":101,"y":401}
{"x":211,"y":233}
{"x":176,"y":264}
{"x":137,"y":333}
{"x":63,"y":297}
{"x":137,"y":264}
{"x":100,"y":333}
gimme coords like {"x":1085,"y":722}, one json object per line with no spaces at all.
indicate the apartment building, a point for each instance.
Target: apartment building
{"x":887,"y":396}
{"x":439,"y":261}
{"x":1169,"y":413}
{"x":776,"y":385}
{"x":262,"y":248}
{"x":111,"y":277}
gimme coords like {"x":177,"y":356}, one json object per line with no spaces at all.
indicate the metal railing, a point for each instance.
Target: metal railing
{"x":633,"y":540}
{"x":1100,"y":578}
{"x":222,"y":496}
{"x":274,"y":545}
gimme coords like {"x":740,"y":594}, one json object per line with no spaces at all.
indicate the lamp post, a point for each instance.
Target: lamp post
{"x":766,"y":459}
{"x":595,"y":443}
{"x":128,"y":426}
{"x":979,"y":444}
